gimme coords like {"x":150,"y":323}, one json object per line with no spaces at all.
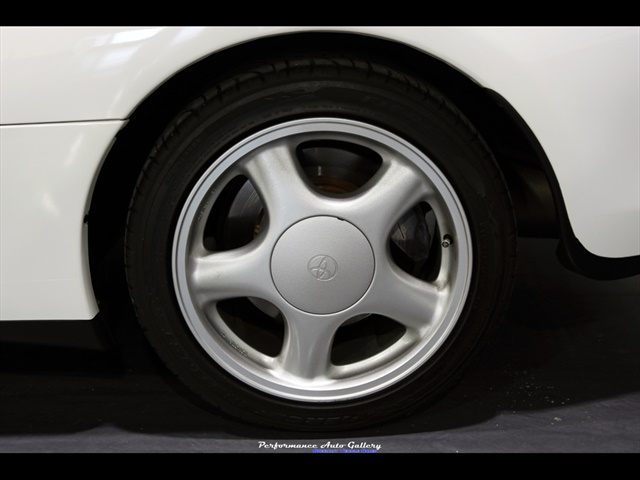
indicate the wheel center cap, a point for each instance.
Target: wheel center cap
{"x":322,"y":265}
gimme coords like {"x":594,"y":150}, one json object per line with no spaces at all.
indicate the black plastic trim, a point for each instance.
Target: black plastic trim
{"x":89,"y":334}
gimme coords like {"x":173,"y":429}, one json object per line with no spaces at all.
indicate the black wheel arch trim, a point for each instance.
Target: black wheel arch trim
{"x":571,"y":252}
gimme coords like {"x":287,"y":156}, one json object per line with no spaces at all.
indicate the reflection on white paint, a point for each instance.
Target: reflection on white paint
{"x":74,"y":150}
{"x":112,"y":48}
{"x":117,"y":57}
{"x":112,"y":37}
{"x":49,"y":204}
{"x":184,"y":34}
{"x":134,"y":35}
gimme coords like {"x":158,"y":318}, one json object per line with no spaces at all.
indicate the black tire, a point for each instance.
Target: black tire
{"x":291,"y":236}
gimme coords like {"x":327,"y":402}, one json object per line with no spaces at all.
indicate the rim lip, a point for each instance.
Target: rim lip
{"x":257,"y":376}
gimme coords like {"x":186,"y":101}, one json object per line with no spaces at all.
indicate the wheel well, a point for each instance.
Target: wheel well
{"x":519,"y":161}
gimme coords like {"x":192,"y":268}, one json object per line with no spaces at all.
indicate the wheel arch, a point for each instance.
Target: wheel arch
{"x":527,"y":170}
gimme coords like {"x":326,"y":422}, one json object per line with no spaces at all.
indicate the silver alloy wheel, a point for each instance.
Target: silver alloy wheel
{"x":322,"y":261}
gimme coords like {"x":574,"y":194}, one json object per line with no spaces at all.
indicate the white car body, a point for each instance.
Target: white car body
{"x":67,"y":92}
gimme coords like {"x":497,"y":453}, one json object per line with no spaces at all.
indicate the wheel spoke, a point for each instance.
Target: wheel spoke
{"x":394,"y":189}
{"x":243,"y":272}
{"x":306,"y":352}
{"x":281,"y":183}
{"x":414,"y":303}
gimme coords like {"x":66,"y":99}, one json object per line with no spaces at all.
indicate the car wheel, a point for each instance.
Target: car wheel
{"x":320,"y":243}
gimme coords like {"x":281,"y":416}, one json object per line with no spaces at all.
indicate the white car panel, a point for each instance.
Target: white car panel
{"x":96,"y":73}
{"x":47,"y":176}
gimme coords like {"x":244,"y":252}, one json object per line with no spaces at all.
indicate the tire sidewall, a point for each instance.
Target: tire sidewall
{"x":420,"y":116}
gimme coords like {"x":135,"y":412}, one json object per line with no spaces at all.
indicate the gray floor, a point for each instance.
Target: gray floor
{"x":563,"y":376}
